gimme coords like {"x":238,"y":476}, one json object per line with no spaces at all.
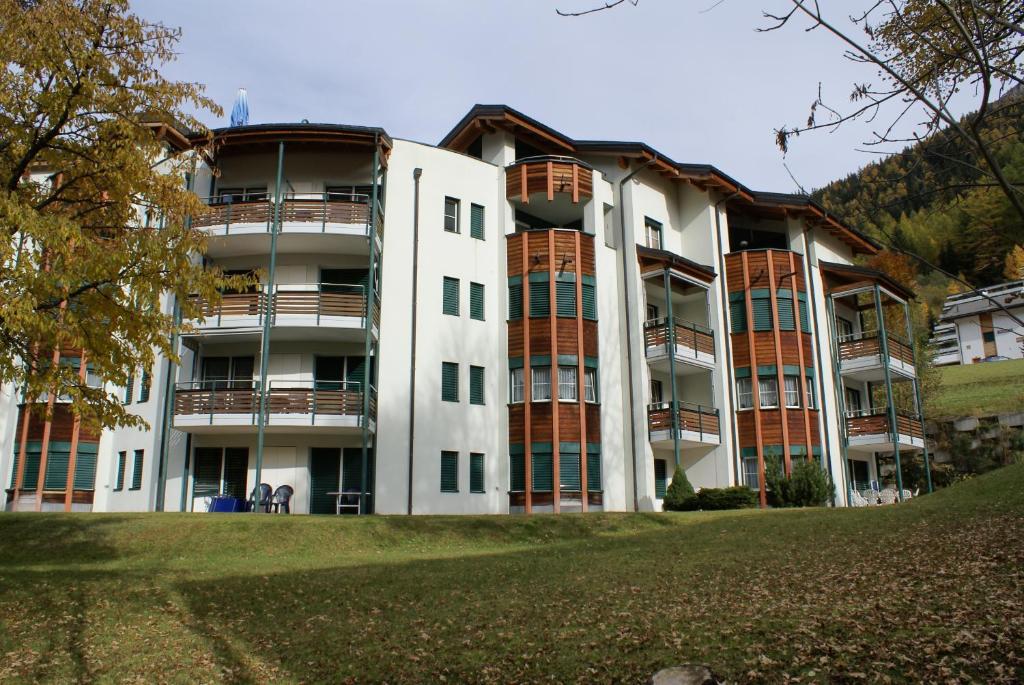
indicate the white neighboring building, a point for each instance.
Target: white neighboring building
{"x":979,"y":324}
{"x":511,"y":320}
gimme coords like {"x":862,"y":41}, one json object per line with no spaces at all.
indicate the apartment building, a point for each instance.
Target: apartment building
{"x":980,"y":324}
{"x":508,"y":321}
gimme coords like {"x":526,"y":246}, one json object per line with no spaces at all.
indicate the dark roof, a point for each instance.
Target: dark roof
{"x":671,"y":259}
{"x":294,"y":131}
{"x":856,"y":239}
{"x":872,"y":274}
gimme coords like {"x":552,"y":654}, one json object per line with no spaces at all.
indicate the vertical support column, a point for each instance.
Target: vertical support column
{"x":581,"y":368}
{"x":47,"y":429}
{"x":76,"y":430}
{"x":837,"y":380}
{"x":19,"y":477}
{"x":527,"y":380}
{"x":556,"y":480}
{"x":261,"y":420}
{"x":368,"y":359}
{"x":780,"y":378}
{"x":894,"y":428}
{"x":754,"y":384}
{"x":793,"y":266}
{"x":917,"y":395}
{"x":670,"y":345}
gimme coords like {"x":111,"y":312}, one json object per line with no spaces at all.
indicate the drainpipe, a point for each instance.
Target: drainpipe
{"x":416,"y":173}
{"x":723,"y":291}
{"x":629,"y":323}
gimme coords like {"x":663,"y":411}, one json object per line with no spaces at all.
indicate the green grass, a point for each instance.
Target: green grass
{"x":978,"y":390}
{"x":925,"y":591}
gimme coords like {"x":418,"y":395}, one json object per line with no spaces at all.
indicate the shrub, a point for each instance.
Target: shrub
{"x":679,"y":491}
{"x":716,"y":499}
{"x":807,"y":486}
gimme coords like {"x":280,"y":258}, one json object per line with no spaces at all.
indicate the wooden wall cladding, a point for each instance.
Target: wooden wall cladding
{"x":587,"y":258}
{"x":540,"y":336}
{"x":61,"y":427}
{"x":745,"y":429}
{"x":514,"y":254}
{"x":515,"y":338}
{"x":590,"y":338}
{"x":593,"y":423}
{"x":549,"y":176}
{"x":541,"y":422}
{"x":516,"y":423}
{"x":568,"y":422}
{"x":568,"y":336}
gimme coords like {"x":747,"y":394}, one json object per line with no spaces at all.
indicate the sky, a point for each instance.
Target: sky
{"x":692,"y":79}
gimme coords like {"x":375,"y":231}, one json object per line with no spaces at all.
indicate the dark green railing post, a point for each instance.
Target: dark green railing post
{"x":670,"y":345}
{"x":917,"y":397}
{"x":261,"y":420}
{"x":894,"y":428}
{"x":368,"y":363}
{"x":837,"y":379}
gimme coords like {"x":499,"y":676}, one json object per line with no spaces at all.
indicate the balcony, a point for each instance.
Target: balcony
{"x":869,"y":430}
{"x":698,"y":425}
{"x":860,"y":357}
{"x":550,"y":177}
{"x":335,"y":407}
{"x":337,"y":311}
{"x":343,"y":215}
{"x":694,"y":343}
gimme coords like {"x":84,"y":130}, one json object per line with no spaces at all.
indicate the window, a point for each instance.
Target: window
{"x":768,"y":390}
{"x":144,"y":387}
{"x":737,"y":313}
{"x":476,"y":301}
{"x":656,"y":392}
{"x":542,"y":468}
{"x":227,"y":372}
{"x":451,"y":215}
{"x":744,"y":393}
{"x":565,"y":297}
{"x":476,"y":385}
{"x":593,"y":471}
{"x":516,"y":471}
{"x":450,"y":297}
{"x":660,"y":478}
{"x":476,"y":222}
{"x":515,"y":386}
{"x":811,"y":403}
{"x":853,"y":404}
{"x":792,"y":388}
{"x":449,"y":382}
{"x":449,"y":471}
{"x":350,"y":193}
{"x":761,"y":303}
{"x":541,"y":383}
{"x":988,"y":336}
{"x":540,"y":304}
{"x":476,"y":472}
{"x":653,"y":230}
{"x":129,"y":389}
{"x":590,"y":384}
{"x":844,"y":328}
{"x":805,"y":320}
{"x":252,"y":194}
{"x":137,"y":470}
{"x":750,"y":472}
{"x":515,"y":299}
{"x":122,"y":459}
{"x":787,"y":317}
{"x":589,"y":293}
{"x":567,"y":388}
{"x":652,"y":312}
{"x":569,"y":479}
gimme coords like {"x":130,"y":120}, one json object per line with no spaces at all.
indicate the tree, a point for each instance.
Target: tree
{"x":1013,"y":268}
{"x":679,"y":491}
{"x":92,"y":198}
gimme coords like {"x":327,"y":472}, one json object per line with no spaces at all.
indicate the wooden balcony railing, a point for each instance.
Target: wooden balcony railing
{"x":876,"y":422}
{"x":694,"y":418}
{"x":307,"y":398}
{"x":549,"y":174}
{"x":321,"y":208}
{"x":867,"y":344}
{"x":693,"y":338}
{"x":311,"y":300}
{"x":216,"y":397}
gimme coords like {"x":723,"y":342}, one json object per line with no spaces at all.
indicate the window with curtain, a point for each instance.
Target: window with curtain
{"x":653,"y":229}
{"x":768,"y":391}
{"x":515,"y":385}
{"x":541,"y":383}
{"x":451,"y":215}
{"x":590,"y":384}
{"x":811,"y":403}
{"x":567,"y":388}
{"x":792,"y":388}
{"x":744,"y":393}
{"x":750,"y":473}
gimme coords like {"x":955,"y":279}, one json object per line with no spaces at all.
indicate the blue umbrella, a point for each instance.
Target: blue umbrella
{"x":240,"y":112}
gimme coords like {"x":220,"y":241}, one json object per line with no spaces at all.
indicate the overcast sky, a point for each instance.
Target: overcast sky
{"x":698,"y":85}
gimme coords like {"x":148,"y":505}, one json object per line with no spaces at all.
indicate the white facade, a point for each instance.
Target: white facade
{"x":981,"y":324}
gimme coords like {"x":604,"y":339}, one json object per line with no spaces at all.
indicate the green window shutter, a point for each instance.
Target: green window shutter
{"x":476,"y":472}
{"x":593,"y":470}
{"x":137,"y":469}
{"x":787,"y":320}
{"x":476,"y":301}
{"x":144,"y":386}
{"x":515,"y":300}
{"x":476,"y":222}
{"x":543,"y":474}
{"x":129,"y":389}
{"x":476,"y":385}
{"x":805,"y":321}
{"x":450,"y":298}
{"x":738,"y":316}
{"x":356,"y":373}
{"x":236,"y":471}
{"x":122,"y":458}
{"x":565,"y":298}
{"x":517,"y":472}
{"x":85,"y":466}
{"x":660,"y":478}
{"x":352,"y":469}
{"x":540,"y":305}
{"x":449,"y":471}
{"x":762,"y":307}
{"x":589,"y":293}
{"x":449,"y":382}
{"x":57,"y":459}
{"x":569,"y":471}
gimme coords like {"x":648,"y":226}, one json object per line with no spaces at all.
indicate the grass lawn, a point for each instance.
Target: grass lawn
{"x":978,"y":390}
{"x":925,"y":591}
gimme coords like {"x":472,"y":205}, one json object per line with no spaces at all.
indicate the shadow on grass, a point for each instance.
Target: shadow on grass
{"x":43,"y":538}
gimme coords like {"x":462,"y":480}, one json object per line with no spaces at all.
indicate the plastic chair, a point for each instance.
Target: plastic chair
{"x":264,"y":498}
{"x":282,"y":499}
{"x":887,"y":496}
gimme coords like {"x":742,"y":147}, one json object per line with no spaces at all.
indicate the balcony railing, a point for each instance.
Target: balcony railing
{"x":862,"y":423}
{"x":300,"y":399}
{"x":325,"y":209}
{"x":693,"y":418}
{"x":867,"y":344}
{"x":312,"y":301}
{"x":692,"y":340}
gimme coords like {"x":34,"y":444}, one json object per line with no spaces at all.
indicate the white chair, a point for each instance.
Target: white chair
{"x":871,"y":496}
{"x":887,"y":496}
{"x":907,"y":494}
{"x":858,"y":500}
